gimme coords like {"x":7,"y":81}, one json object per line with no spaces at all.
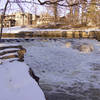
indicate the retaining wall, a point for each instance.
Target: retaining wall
{"x":66,"y":34}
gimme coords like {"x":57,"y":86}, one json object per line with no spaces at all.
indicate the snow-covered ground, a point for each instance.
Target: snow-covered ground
{"x":18,"y":29}
{"x":64,"y":68}
{"x":17,"y":84}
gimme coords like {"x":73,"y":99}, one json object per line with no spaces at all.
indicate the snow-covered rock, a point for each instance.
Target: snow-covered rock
{"x":85,"y":48}
{"x":17,"y":84}
{"x":68,"y":44}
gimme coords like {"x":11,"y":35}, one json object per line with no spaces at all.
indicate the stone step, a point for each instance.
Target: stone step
{"x":8,"y":51}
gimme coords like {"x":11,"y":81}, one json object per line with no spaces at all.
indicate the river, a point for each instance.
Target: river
{"x":69,"y":69}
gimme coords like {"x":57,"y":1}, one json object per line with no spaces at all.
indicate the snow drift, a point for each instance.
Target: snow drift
{"x":17,"y":84}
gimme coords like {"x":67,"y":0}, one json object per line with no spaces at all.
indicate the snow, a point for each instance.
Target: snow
{"x":18,"y":29}
{"x":3,"y":51}
{"x":9,"y":49}
{"x":8,"y":44}
{"x":17,"y":84}
{"x":9,"y":54}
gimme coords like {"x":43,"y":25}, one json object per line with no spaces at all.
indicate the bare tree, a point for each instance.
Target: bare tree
{"x":74,"y":7}
{"x":2,"y":17}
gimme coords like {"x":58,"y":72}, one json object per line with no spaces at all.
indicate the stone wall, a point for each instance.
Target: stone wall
{"x":54,"y":34}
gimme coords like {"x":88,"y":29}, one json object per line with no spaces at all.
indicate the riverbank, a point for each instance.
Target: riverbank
{"x":26,"y":32}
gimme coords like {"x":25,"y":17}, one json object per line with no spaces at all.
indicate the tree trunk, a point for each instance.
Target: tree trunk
{"x":2,"y":18}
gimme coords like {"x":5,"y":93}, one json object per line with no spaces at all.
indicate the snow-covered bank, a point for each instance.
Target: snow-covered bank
{"x":17,"y":84}
{"x":18,"y":29}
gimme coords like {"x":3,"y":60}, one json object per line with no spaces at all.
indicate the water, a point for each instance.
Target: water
{"x":65,"y":72}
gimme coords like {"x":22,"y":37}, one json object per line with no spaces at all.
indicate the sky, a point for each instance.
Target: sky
{"x":28,"y":7}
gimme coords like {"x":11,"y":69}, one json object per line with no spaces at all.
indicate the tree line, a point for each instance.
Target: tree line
{"x":81,"y":12}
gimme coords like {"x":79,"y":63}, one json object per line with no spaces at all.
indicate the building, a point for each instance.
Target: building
{"x":23,"y":19}
{"x":45,"y":18}
{"x":8,"y":21}
{"x":34,"y":19}
{"x":17,"y":19}
{"x":62,"y":20}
